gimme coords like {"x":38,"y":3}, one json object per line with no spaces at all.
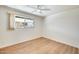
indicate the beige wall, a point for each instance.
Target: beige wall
{"x":64,"y":27}
{"x":8,"y":37}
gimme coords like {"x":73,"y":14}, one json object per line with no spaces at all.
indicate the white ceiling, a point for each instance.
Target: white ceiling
{"x":53,"y":9}
{"x":61,"y":8}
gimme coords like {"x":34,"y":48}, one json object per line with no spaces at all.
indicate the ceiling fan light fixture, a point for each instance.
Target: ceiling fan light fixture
{"x":39,"y":8}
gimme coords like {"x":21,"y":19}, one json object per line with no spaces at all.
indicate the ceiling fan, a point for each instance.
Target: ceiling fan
{"x":39,"y":8}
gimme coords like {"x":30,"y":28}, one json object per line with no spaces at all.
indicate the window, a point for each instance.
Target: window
{"x":21,"y":22}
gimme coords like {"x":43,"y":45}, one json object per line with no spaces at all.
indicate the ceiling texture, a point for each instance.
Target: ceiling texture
{"x":53,"y":9}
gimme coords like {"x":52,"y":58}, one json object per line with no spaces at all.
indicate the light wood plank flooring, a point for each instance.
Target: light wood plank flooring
{"x":40,"y":46}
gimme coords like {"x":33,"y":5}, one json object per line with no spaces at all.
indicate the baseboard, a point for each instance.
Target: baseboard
{"x":51,"y":38}
{"x":7,"y":45}
{"x":63,"y":42}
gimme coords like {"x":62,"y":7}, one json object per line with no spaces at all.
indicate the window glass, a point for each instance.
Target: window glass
{"x":21,"y":22}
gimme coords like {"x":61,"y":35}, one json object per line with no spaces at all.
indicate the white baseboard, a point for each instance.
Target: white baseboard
{"x":10,"y":44}
{"x":58,"y":40}
{"x":51,"y":38}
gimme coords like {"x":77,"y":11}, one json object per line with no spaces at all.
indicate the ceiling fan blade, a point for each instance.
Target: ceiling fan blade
{"x":39,"y":8}
{"x":45,"y":9}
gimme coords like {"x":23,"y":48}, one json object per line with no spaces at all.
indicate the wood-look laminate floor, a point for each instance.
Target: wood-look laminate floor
{"x":40,"y":46}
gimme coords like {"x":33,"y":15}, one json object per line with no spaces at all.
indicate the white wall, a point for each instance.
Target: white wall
{"x":8,"y":37}
{"x":63,"y":27}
